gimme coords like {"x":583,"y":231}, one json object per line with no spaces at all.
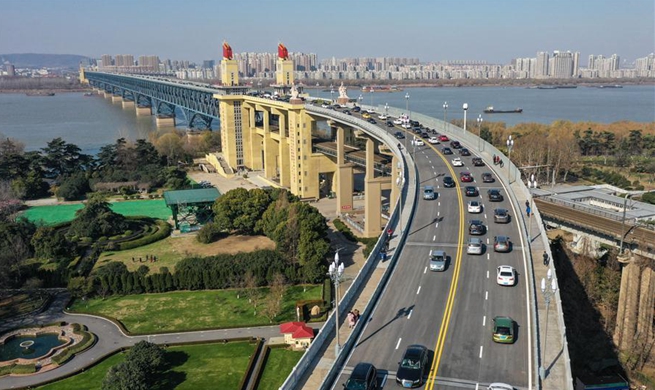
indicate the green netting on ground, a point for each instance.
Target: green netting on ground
{"x":66,"y":212}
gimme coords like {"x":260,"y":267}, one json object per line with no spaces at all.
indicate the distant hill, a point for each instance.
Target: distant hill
{"x":32,"y":60}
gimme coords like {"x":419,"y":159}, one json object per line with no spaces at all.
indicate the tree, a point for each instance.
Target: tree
{"x":51,"y":244}
{"x":273,"y":304}
{"x":125,"y":376}
{"x":73,"y":187}
{"x":176,"y":179}
{"x":251,"y":290}
{"x":61,"y":158}
{"x":169,"y":145}
{"x":97,"y":219}
{"x":31,"y":186}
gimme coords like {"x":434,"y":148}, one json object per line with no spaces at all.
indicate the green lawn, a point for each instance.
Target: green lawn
{"x":279,"y":364}
{"x":190,"y":310}
{"x":51,"y":215}
{"x":192,"y":367}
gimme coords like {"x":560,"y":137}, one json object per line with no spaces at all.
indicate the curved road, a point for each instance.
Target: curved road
{"x":450,"y":312}
{"x":110,"y":338}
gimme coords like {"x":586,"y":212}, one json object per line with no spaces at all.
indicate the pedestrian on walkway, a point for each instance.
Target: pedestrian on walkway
{"x":527,"y":204}
{"x":351,"y":319}
{"x":528,"y":210}
{"x":545,"y":258}
{"x":356,"y":314}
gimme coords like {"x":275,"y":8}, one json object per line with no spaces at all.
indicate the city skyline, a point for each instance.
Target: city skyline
{"x":471,"y":31}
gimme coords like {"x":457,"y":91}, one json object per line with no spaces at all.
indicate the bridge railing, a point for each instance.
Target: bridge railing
{"x":510,"y":175}
{"x":327,"y":331}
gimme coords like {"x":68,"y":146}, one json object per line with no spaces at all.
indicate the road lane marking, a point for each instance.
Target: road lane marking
{"x":484,"y":320}
{"x":481,"y":352}
{"x":439,"y":204}
{"x":488,"y":255}
{"x":487,"y":241}
{"x":398,"y":344}
{"x":434,"y":237}
{"x":486,"y":295}
{"x":487,"y":274}
{"x":425,"y":270}
{"x":410,"y":314}
{"x":419,"y":290}
{"x":485,"y":215}
{"x":437,"y":225}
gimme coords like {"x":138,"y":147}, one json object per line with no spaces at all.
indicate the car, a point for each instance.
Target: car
{"x":466,"y":177}
{"x":366,"y":115}
{"x":474,"y":246}
{"x":471,"y":191}
{"x":399,"y":135}
{"x":433,"y":140}
{"x":389,"y":124}
{"x":500,"y":386}
{"x":505,"y":275}
{"x":382,"y":116}
{"x":415,"y":123}
{"x":464,"y":152}
{"x":501,"y":216}
{"x":406,"y":126}
{"x":446,"y":150}
{"x":494,"y":195}
{"x":503,"y":330}
{"x":457,"y":162}
{"x":425,"y":135}
{"x":371,"y":120}
{"x":488,"y":178}
{"x":502,"y":244}
{"x":357,"y":109}
{"x":417,"y":130}
{"x":413,"y":367}
{"x":417,"y":142}
{"x":477,"y":228}
{"x":322,"y":105}
{"x":438,"y":260}
{"x":477,"y":161}
{"x":336,"y":105}
{"x":455,"y":144}
{"x":398,"y":121}
{"x":347,"y":112}
{"x":474,"y":207}
{"x":428,"y":193}
{"x":448,"y":182}
{"x":363,"y":377}
{"x":370,"y":111}
{"x":443,"y":138}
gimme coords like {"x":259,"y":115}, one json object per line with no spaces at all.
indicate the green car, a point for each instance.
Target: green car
{"x":503,"y":330}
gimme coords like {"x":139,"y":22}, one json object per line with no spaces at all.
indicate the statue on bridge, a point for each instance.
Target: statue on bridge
{"x":294,"y":92}
{"x":343,"y":97}
{"x":227,"y":51}
{"x":282,"y":52}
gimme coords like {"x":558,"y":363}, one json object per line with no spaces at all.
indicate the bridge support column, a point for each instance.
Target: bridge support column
{"x":395,"y":191}
{"x":127,"y":104}
{"x":116,"y":99}
{"x":107,"y":95}
{"x":283,"y":154}
{"x":373,"y":195}
{"x":271,"y":156}
{"x":143,"y":111}
{"x":165,"y":121}
{"x":345,"y":185}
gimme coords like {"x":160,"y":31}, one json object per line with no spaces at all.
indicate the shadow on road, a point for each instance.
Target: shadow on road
{"x":404,"y":312}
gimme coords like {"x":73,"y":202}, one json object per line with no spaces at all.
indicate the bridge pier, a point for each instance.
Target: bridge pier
{"x":165,"y":121}
{"x":116,"y":99}
{"x":127,"y":104}
{"x":107,"y":95}
{"x":372,"y":194}
{"x":344,"y":182}
{"x":143,"y":111}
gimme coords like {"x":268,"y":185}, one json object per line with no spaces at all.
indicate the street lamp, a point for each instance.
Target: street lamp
{"x":480,"y":120}
{"x":259,"y":86}
{"x":510,"y":144}
{"x":409,"y":115}
{"x":386,"y":109}
{"x":400,"y":182}
{"x":361,"y":99}
{"x":445,"y":109}
{"x":532,"y":183}
{"x":331,"y":94}
{"x":548,"y":291}
{"x":336,"y":274}
{"x":465,"y":107}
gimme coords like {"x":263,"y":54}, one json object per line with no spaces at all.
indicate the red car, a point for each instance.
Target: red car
{"x":443,"y":138}
{"x":466,"y":177}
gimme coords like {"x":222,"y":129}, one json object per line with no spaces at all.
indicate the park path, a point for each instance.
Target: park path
{"x":111,"y":338}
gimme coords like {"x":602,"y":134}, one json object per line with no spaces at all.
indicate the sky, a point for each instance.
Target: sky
{"x":495,"y":31}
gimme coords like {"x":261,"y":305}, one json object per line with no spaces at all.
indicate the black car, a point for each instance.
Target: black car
{"x":413,"y":367}
{"x":455,"y":144}
{"x":488,"y":178}
{"x":425,"y":135}
{"x":415,"y":123}
{"x":476,"y":228}
{"x":477,"y":161}
{"x":446,"y":150}
{"x":495,"y":195}
{"x":471,"y":191}
{"x":363,"y":377}
{"x":399,"y":135}
{"x":347,"y":112}
{"x":448,"y":182}
{"x":389,"y":124}
{"x":356,"y":109}
{"x":464,"y":152}
{"x":371,"y":120}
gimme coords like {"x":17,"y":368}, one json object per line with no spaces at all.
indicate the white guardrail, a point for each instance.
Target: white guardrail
{"x":410,"y":192}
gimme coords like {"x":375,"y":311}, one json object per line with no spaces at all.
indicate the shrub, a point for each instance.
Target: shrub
{"x":345,"y":230}
{"x":6,"y":370}
{"x":209,"y":233}
{"x":24,"y":369}
{"x":164,"y":230}
{"x":88,"y":339}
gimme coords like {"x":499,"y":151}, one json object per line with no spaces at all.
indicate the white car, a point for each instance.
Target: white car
{"x":433,"y":140}
{"x":397,"y":122}
{"x":418,"y":142}
{"x":382,"y":116}
{"x":506,"y":275}
{"x":474,"y":207}
{"x":457,"y":162}
{"x":406,"y":126}
{"x":499,"y":386}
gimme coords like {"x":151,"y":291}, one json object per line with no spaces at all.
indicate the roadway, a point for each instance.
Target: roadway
{"x":449,"y":312}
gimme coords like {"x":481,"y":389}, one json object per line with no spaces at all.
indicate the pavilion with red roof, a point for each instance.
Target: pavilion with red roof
{"x":297,"y":334}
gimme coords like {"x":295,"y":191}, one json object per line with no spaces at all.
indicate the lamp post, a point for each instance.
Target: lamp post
{"x":259,"y":86}
{"x":465,"y":107}
{"x":548,"y":289}
{"x":510,"y":145}
{"x":479,"y":120}
{"x":409,"y":116}
{"x":361,"y":99}
{"x":336,"y":274}
{"x":331,"y":94}
{"x":445,"y":109}
{"x":386,"y":110}
{"x":532,"y":183}
{"x":400,"y":182}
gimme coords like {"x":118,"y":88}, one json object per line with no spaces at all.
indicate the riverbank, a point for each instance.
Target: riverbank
{"x":40,"y":92}
{"x":588,"y":83}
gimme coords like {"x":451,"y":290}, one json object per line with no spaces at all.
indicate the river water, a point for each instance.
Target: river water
{"x":92,"y":122}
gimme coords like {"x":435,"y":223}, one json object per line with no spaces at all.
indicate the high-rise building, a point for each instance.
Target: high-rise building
{"x":10,"y":69}
{"x":561,"y":65}
{"x":541,"y":69}
{"x":208,"y":64}
{"x":107,"y":61}
{"x":645,"y":66}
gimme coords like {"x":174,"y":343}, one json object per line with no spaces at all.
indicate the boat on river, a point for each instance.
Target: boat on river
{"x":492,"y":110}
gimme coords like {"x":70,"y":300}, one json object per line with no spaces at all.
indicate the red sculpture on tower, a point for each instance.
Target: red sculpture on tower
{"x":282,"y":52}
{"x":227,"y":51}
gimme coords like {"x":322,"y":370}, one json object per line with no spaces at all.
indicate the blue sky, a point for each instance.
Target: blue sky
{"x":432,"y":30}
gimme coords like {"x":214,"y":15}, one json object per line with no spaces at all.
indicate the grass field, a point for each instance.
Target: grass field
{"x":279,"y":364}
{"x":192,"y":367}
{"x":51,"y":215}
{"x":173,"y":249}
{"x":191,"y":310}
{"x":19,"y":304}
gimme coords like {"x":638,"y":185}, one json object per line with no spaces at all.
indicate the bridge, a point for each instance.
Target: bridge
{"x":282,"y":139}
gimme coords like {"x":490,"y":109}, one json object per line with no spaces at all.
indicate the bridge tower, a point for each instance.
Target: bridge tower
{"x":83,"y":79}
{"x":283,"y":71}
{"x":229,"y":67}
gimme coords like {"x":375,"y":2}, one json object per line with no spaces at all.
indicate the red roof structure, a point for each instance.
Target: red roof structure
{"x":298,"y":330}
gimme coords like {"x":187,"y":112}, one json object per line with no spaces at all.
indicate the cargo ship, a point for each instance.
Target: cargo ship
{"x":381,"y":88}
{"x":491,"y":110}
{"x":40,"y":94}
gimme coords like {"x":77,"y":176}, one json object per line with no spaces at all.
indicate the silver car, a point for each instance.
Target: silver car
{"x":500,"y":386}
{"x":475,"y":246}
{"x":428,"y":193}
{"x":437,"y":260}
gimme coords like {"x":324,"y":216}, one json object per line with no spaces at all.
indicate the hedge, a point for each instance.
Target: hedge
{"x":6,"y":370}
{"x":88,"y":340}
{"x":24,"y":369}
{"x":164,"y":230}
{"x":345,"y":230}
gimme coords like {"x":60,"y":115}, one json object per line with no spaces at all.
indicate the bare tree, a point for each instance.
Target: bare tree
{"x":273,"y":304}
{"x":251,"y":290}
